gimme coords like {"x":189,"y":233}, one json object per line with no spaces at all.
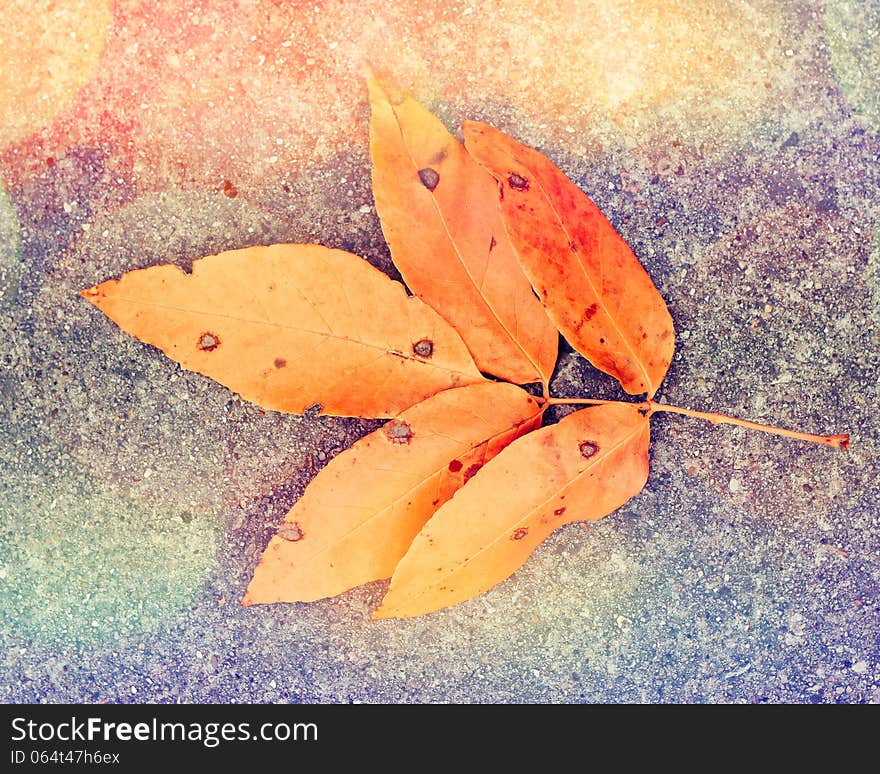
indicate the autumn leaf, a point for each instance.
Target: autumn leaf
{"x":438,"y":213}
{"x":358,"y":516}
{"x":593,"y":286}
{"x":454,"y":493}
{"x":581,"y":468}
{"x":291,"y":326}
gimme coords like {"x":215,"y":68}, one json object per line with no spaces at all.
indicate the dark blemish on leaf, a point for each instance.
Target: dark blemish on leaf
{"x":471,"y":472}
{"x":292,"y":532}
{"x":455,"y":466}
{"x":398,"y":431}
{"x":280,"y":362}
{"x":429,"y":177}
{"x":643,"y":412}
{"x":844,"y":443}
{"x":559,"y":511}
{"x":588,"y":315}
{"x":500,"y":192}
{"x":424,"y":348}
{"x":438,"y":156}
{"x":573,"y":247}
{"x":208,"y":342}
{"x":518,"y":182}
{"x":519,"y":533}
{"x":588,"y":448}
{"x":601,"y":341}
{"x":492,"y":244}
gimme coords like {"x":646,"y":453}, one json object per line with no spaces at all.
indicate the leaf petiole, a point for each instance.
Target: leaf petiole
{"x":835,"y":441}
{"x":649,"y":407}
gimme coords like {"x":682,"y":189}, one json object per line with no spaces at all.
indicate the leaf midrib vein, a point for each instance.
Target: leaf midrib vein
{"x":326,"y":334}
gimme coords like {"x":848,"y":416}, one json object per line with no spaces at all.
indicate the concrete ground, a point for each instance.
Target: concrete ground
{"x":736,"y":148}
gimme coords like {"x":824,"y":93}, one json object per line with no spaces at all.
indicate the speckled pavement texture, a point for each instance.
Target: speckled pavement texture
{"x":735,"y":145}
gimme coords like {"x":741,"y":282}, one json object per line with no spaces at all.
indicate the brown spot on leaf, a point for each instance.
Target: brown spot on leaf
{"x":518,"y":182}
{"x":429,"y":177}
{"x":208,"y":341}
{"x":471,"y":471}
{"x":455,"y":466}
{"x":424,"y":348}
{"x":588,"y":448}
{"x":229,"y":189}
{"x":559,"y":511}
{"x":292,"y":532}
{"x":492,"y":244}
{"x":398,"y":431}
{"x":588,"y":315}
{"x":280,"y":362}
{"x":519,"y":533}
{"x":438,"y":156}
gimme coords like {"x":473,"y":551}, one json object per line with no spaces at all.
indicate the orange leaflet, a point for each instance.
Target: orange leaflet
{"x":584,"y":467}
{"x":439,"y":215}
{"x":594,"y":288}
{"x":290,"y":326}
{"x":358,"y":516}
